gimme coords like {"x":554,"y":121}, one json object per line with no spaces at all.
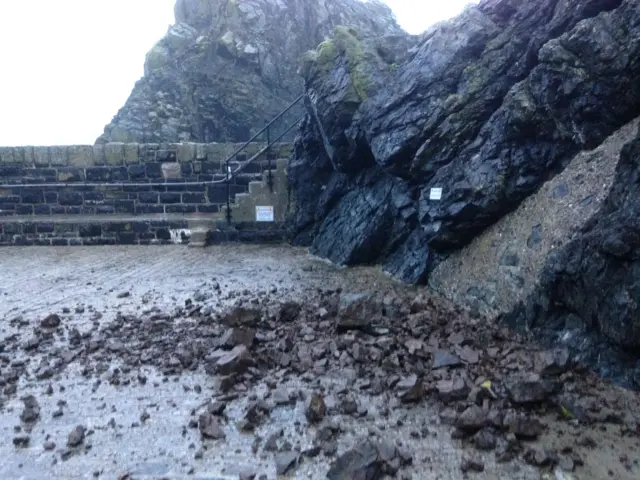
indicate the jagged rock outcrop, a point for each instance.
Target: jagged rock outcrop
{"x":486,"y":106}
{"x":589,"y":293}
{"x":227,"y":67}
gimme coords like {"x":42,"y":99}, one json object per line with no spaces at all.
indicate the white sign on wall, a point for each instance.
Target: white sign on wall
{"x":435,"y":194}
{"x":264,"y":214}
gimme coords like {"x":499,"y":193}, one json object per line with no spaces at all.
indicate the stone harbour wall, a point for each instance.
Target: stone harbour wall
{"x":102,"y":166}
{"x":94,"y":232}
{"x":124,"y":194}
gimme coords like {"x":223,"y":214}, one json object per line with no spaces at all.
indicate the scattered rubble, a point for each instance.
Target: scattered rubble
{"x":406,"y":350}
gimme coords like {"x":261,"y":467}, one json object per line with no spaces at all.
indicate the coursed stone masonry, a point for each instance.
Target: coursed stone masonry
{"x":131,"y":193}
{"x":105,"y":165}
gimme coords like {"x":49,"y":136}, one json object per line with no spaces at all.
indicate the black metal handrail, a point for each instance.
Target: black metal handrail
{"x":229,"y":174}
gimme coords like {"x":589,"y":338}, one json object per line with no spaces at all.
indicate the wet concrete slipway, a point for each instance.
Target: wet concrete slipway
{"x":262,"y":362}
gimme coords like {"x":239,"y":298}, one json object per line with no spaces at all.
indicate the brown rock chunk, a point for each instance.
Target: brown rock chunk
{"x":531,"y":388}
{"x":31,"y":411}
{"x":485,"y":439}
{"x":289,"y":311}
{"x":443,"y":358}
{"x":469,"y":355}
{"x":472,"y":419}
{"x":209,"y":427}
{"x":471,"y":464}
{"x":50,"y":321}
{"x":286,"y":461}
{"x":241,"y":317}
{"x":76,"y":437}
{"x":553,"y":362}
{"x":237,"y":360}
{"x":357,"y":311}
{"x":453,"y":390}
{"x":316,"y":408}
{"x":411,"y":389}
{"x":522,"y":426}
{"x":540,"y":457}
{"x":238,"y":336}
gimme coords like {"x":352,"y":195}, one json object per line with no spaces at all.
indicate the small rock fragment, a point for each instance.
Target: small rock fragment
{"x":285,"y":461}
{"x":50,"y":321}
{"x":472,"y":419}
{"x":76,"y":437}
{"x":443,"y":358}
{"x":316,"y":408}
{"x":471,"y":464}
{"x":209,"y":427}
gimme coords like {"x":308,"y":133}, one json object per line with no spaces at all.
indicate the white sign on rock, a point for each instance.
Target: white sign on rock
{"x":264,"y":213}
{"x":435,"y":194}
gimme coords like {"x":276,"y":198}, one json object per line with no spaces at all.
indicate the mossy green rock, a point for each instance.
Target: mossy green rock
{"x":227,"y":67}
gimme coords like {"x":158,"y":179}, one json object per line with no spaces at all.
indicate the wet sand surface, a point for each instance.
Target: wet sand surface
{"x":128,"y":380}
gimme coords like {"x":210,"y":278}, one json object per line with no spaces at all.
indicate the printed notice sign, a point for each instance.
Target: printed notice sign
{"x":264,"y":214}
{"x":435,"y":194}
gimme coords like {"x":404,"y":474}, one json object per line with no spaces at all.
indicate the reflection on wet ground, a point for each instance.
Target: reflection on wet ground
{"x":141,"y":417}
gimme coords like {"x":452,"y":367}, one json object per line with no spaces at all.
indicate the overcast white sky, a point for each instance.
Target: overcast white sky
{"x":67,"y":66}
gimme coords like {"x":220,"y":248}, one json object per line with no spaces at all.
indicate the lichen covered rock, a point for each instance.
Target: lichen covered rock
{"x":227,"y":67}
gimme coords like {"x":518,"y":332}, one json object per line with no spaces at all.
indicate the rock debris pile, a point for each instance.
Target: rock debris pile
{"x":494,"y":391}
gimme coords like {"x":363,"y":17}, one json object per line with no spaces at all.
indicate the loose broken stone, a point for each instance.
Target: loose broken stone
{"x":76,"y":437}
{"x":540,"y":457}
{"x":531,"y":388}
{"x":285,"y":461}
{"x":357,"y":311}
{"x":241,"y":317}
{"x":469,"y":355}
{"x":316,"y":408}
{"x":522,"y":426}
{"x":237,"y":360}
{"x":31,"y":412}
{"x":238,"y":336}
{"x":21,"y":441}
{"x":443,"y":358}
{"x":50,"y":321}
{"x":485,"y":439}
{"x":289,"y":311}
{"x":472,"y":419}
{"x":361,"y":462}
{"x":411,"y":389}
{"x":209,"y":427}
{"x":452,"y":390}
{"x":471,"y":464}
{"x":553,"y":362}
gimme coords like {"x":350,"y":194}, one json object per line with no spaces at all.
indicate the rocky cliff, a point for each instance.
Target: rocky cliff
{"x":487,"y":107}
{"x":589,"y":292}
{"x":227,"y":67}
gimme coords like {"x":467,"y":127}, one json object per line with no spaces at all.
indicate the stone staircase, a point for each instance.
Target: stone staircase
{"x":215,"y":228}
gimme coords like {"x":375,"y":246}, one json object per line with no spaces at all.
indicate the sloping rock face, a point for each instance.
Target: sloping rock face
{"x":227,"y":67}
{"x":589,"y":296}
{"x":486,"y":107}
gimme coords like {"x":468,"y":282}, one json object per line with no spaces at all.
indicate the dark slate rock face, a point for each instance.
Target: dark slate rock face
{"x":486,"y":106}
{"x":226,"y":68}
{"x":589,"y":295}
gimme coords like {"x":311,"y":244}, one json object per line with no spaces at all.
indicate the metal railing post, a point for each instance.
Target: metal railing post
{"x":269,"y":176}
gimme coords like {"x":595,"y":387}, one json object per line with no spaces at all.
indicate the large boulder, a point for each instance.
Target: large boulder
{"x":485,"y":106}
{"x":226,"y":67}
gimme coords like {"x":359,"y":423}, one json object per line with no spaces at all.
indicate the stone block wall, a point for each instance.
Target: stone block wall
{"x":117,"y":174}
{"x":45,"y":232}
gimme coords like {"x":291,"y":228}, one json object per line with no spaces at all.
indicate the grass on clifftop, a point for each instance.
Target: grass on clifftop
{"x":347,"y":44}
